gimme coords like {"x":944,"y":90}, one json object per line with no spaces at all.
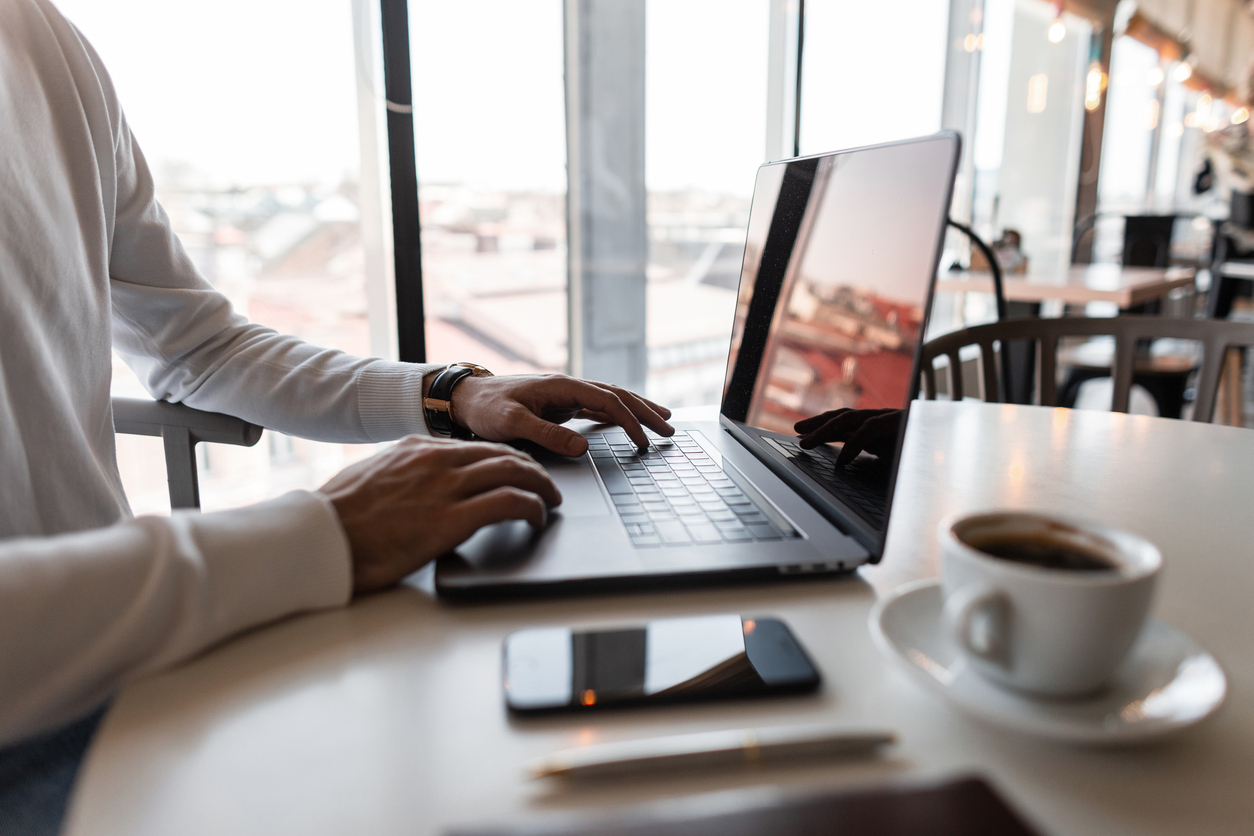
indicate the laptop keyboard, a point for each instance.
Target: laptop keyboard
{"x":863,"y":486}
{"x":673,"y":494}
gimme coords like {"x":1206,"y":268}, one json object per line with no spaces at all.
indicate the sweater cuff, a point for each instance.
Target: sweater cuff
{"x":274,"y":559}
{"x":389,"y":398}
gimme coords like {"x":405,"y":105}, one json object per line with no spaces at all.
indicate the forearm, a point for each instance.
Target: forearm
{"x":82,"y":614}
{"x":187,"y":345}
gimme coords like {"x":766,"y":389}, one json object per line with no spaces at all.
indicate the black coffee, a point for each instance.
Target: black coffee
{"x":1048,"y":554}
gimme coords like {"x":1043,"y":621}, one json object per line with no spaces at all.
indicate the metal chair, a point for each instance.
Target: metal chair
{"x":181,"y":428}
{"x":1216,"y":337}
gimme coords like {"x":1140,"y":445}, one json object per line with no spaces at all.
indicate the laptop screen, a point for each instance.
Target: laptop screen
{"x":836,"y":281}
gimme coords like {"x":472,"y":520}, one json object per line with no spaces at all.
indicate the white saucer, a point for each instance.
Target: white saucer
{"x":1167,"y":683}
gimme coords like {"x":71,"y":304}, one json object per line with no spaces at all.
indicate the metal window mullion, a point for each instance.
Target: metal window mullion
{"x":606,"y":205}
{"x":403,"y":168}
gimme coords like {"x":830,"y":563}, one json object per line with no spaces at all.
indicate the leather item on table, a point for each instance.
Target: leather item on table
{"x":961,"y":807}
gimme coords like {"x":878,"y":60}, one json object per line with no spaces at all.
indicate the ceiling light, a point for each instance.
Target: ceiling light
{"x":1093,"y":87}
{"x":1057,"y":31}
{"x":1156,"y":76}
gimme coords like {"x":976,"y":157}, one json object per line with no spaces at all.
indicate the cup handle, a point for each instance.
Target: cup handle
{"x":961,"y":609}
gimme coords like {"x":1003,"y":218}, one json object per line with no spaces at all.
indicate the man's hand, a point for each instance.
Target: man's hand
{"x":532,"y":407}
{"x":423,"y":497}
{"x":872,"y":430}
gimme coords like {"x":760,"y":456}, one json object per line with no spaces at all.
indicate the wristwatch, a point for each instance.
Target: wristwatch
{"x":438,"y":401}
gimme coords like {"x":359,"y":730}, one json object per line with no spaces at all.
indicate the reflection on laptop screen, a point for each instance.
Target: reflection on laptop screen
{"x":838,"y":264}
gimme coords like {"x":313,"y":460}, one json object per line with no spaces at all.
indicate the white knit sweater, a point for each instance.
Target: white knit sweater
{"x":89,"y":597}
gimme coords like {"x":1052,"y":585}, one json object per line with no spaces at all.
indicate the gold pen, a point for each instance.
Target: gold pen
{"x":720,"y":749}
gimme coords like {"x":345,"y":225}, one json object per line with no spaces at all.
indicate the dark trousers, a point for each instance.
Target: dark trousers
{"x":37,"y":775}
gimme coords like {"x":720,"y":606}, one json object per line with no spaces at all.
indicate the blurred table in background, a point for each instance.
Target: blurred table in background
{"x":1127,"y":287}
{"x":1131,"y":289}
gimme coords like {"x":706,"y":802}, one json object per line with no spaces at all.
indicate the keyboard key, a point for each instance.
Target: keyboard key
{"x":661,"y":514}
{"x":750,"y":515}
{"x":673,"y":533}
{"x":705,"y":534}
{"x":645,"y":540}
{"x":692,"y":519}
{"x":740,"y":536}
{"x":722,"y":516}
{"x":655,"y":506}
{"x":765,"y":531}
{"x":729,"y":525}
{"x":634,"y":518}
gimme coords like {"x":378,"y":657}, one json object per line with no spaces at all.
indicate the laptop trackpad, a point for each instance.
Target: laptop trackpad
{"x":513,"y":543}
{"x":581,"y":493}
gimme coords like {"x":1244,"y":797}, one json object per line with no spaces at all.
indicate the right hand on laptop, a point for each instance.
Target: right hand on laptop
{"x":423,"y":497}
{"x":872,"y":430}
{"x":533,"y":406}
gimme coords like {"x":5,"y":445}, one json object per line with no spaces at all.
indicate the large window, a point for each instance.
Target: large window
{"x":1155,"y":138}
{"x":872,"y":72}
{"x":247,"y":113}
{"x":705,"y":121}
{"x":1030,"y":127}
{"x":254,"y":128}
{"x":490,"y":124}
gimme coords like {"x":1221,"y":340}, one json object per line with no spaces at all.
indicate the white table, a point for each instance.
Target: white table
{"x":386,"y":717}
{"x":1078,"y":285}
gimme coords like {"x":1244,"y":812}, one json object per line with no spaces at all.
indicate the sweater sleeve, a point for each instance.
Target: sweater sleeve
{"x":84,"y":613}
{"x":188,"y":345}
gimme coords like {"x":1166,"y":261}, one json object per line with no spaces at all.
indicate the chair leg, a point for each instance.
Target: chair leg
{"x":1229,"y":404}
{"x":180,"y":467}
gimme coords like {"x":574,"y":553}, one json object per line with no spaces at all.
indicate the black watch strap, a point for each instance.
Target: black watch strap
{"x":437,"y":402}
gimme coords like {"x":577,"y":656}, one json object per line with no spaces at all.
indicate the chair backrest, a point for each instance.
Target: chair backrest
{"x":181,"y":428}
{"x":1216,"y":337}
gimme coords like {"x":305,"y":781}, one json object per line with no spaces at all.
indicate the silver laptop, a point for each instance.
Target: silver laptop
{"x":835,"y":290}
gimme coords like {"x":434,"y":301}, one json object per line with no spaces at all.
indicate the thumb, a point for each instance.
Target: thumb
{"x":551,"y":436}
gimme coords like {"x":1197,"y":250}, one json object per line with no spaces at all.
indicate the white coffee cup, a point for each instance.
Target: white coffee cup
{"x":1045,"y":630}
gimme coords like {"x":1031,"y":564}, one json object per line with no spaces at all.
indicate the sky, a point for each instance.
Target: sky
{"x":871,"y":72}
{"x":263,"y":91}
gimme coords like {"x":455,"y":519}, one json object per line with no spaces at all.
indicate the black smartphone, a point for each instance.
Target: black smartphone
{"x":670,"y":660}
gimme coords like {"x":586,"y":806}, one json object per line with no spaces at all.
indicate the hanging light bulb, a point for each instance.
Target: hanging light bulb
{"x":1184,"y":70}
{"x":1241,"y":114}
{"x":1156,"y":76}
{"x":1057,"y":30}
{"x":1093,"y":87}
